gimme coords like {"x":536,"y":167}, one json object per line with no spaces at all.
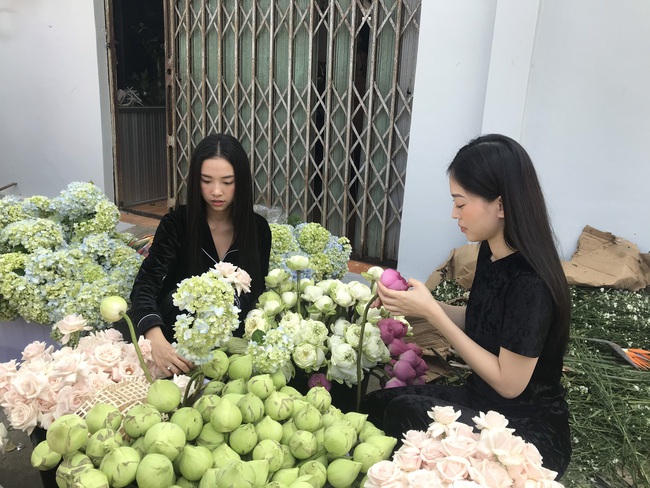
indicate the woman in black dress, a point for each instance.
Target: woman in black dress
{"x":515,"y":328}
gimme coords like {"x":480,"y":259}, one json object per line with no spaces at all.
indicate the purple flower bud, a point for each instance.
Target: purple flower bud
{"x":418,"y":380}
{"x":410,"y":357}
{"x":397,"y":347}
{"x":404,"y":371}
{"x":394,"y":383}
{"x":319,"y":379}
{"x":391,"y":278}
{"x":386,"y":335}
{"x":414,"y":347}
{"x":389,"y":370}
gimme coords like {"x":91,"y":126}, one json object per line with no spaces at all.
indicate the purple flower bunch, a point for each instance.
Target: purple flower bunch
{"x":407,"y":366}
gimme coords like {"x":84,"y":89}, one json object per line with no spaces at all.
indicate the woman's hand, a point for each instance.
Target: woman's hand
{"x":164,"y":354}
{"x":417,"y":301}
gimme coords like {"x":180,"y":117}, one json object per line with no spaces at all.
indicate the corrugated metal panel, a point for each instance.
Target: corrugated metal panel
{"x":142,"y":153}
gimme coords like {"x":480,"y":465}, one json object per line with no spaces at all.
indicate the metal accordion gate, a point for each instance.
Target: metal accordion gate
{"x":319,"y":92}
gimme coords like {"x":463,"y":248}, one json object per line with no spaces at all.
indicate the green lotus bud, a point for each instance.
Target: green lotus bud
{"x":320,"y":438}
{"x":195,"y":461}
{"x":358,"y":420}
{"x":205,"y":405}
{"x":261,"y":386}
{"x":305,"y":481}
{"x":233,"y":397}
{"x":308,"y":418}
{"x":384,"y":442}
{"x":339,"y":438}
{"x":227,"y":417}
{"x":185,"y":483}
{"x":289,"y":460}
{"x":236,"y":474}
{"x":72,"y":466}
{"x":243,"y":439}
{"x":103,"y":415}
{"x":190,"y":420}
{"x":165,"y":438}
{"x":316,"y":470}
{"x":111,"y":307}
{"x":303,"y":444}
{"x":241,"y":367}
{"x":320,"y":398}
{"x":276,"y":484}
{"x":251,"y":407}
{"x":368,"y":430}
{"x":237,"y":386}
{"x":261,"y":468}
{"x":210,"y":437}
{"x":298,"y":403}
{"x":44,"y":458}
{"x":138,"y":445}
{"x":155,"y":470}
{"x":218,"y":367}
{"x":214,"y":387}
{"x":267,"y":428}
{"x":165,"y":395}
{"x":270,"y":451}
{"x":288,"y":428}
{"x":139,"y":418}
{"x":67,"y":434}
{"x":291,"y":391}
{"x":91,"y":478}
{"x":333,"y":414}
{"x":278,"y":406}
{"x":209,"y":479}
{"x":223,"y":455}
{"x":367,"y":454}
{"x":101,"y":443}
{"x":120,"y":466}
{"x":279,"y":379}
{"x":341,"y":473}
{"x":286,"y":476}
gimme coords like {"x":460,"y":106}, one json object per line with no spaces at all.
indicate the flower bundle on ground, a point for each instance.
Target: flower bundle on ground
{"x":49,"y":383}
{"x":452,"y":454}
{"x":212,"y":314}
{"x":59,"y":256}
{"x":328,"y":254}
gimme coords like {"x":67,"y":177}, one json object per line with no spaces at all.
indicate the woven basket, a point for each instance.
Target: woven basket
{"x":123,"y":395}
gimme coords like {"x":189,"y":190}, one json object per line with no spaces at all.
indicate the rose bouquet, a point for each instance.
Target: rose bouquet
{"x":210,"y":301}
{"x":452,"y":454}
{"x":328,"y":254}
{"x":61,"y":255}
{"x":49,"y":383}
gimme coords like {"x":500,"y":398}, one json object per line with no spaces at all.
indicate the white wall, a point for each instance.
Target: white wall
{"x":569,"y":80}
{"x":449,"y":95}
{"x":54,"y":117}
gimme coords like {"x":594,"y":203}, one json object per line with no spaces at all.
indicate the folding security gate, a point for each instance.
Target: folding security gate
{"x":318,"y":92}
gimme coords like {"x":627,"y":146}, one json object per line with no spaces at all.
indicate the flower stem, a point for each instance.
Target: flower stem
{"x":360,"y":350}
{"x":298,"y":291}
{"x":134,"y":339}
{"x":196,"y":378}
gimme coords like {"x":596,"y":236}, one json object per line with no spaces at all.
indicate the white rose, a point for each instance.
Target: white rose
{"x":312,"y":293}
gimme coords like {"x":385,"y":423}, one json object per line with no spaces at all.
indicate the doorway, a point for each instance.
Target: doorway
{"x":136,"y":37}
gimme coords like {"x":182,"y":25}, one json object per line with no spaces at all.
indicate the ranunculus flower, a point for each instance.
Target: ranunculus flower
{"x":319,"y":379}
{"x":392,"y":280}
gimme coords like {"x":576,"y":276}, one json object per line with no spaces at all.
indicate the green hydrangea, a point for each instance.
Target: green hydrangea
{"x":32,"y":234}
{"x":11,"y":210}
{"x":312,"y":237}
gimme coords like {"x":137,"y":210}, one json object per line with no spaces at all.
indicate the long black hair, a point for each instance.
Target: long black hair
{"x":241,"y":210}
{"x":493,"y":166}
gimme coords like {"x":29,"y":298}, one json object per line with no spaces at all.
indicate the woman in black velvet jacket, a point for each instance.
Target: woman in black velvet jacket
{"x":217,"y":224}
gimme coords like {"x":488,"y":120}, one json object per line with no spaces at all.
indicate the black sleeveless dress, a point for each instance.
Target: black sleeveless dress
{"x":510,"y":307}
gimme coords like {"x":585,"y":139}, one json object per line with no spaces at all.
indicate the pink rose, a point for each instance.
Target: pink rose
{"x":391,"y":279}
{"x":145,"y":348}
{"x":508,"y":448}
{"x":408,"y":458}
{"x":69,"y":325}
{"x":23,"y":416}
{"x":458,"y":429}
{"x":69,"y":366}
{"x":452,"y":468}
{"x":97,"y":380}
{"x":71,"y":398}
{"x":415,"y":438}
{"x":107,"y":355}
{"x":431,"y":453}
{"x":423,"y":478}
{"x":444,"y":415}
{"x":33,"y":350}
{"x":112,"y":335}
{"x":126,"y":368}
{"x":386,"y":473}
{"x":489,"y":473}
{"x":491,"y":420}
{"x":30,"y":385}
{"x":459,"y":446}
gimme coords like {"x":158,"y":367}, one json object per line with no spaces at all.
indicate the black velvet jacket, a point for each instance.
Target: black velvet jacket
{"x":168,"y":264}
